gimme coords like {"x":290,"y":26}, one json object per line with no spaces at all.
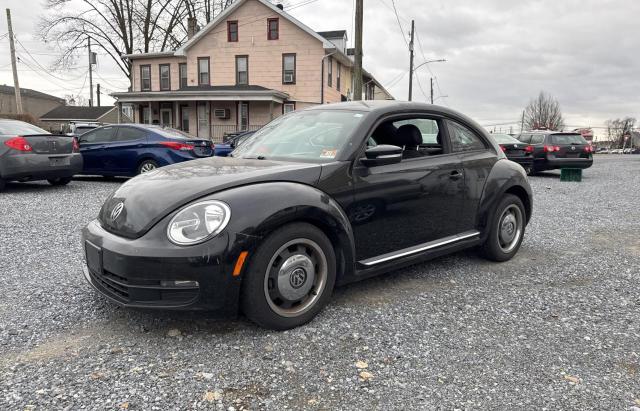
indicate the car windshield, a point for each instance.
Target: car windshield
{"x":505,"y":139}
{"x":314,"y":135}
{"x":567,"y":139}
{"x":83,"y":129}
{"x":171,"y":133}
{"x":19,"y":128}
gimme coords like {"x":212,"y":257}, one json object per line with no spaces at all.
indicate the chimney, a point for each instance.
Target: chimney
{"x":191,"y":27}
{"x":280,"y":6}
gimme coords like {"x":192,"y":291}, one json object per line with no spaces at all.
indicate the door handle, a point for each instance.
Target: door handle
{"x":455,"y":175}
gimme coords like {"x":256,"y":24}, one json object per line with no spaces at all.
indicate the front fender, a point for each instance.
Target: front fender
{"x":505,"y":176}
{"x":258,"y":209}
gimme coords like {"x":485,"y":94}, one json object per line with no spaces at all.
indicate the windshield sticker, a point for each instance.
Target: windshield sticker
{"x":329,"y":153}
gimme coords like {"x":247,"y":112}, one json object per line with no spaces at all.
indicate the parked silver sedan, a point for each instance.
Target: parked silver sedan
{"x":29,"y":153}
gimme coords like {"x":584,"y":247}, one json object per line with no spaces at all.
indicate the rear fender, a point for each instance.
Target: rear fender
{"x":505,"y":177}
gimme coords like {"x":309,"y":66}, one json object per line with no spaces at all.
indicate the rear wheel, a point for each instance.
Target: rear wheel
{"x":147,"y":166}
{"x":61,"y":181}
{"x":290,"y":277}
{"x":506,"y":230}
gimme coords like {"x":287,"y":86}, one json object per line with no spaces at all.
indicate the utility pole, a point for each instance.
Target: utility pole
{"x":357,"y":70}
{"x":411,"y":60}
{"x":522,"y":123}
{"x":98,"y":93}
{"x":12,"y":48}
{"x":90,"y":73}
{"x":431,"y":90}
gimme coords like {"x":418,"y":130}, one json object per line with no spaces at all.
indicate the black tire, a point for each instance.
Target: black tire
{"x":498,"y":247}
{"x":529,"y":170}
{"x":2,"y":184}
{"x":263,"y":295}
{"x":61,"y":181}
{"x":147,"y":166}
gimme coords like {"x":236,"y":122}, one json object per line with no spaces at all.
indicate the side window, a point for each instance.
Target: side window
{"x":130,"y":134}
{"x":537,"y":138}
{"x":99,"y":135}
{"x":418,"y":137}
{"x":525,"y":138}
{"x":463,"y":139}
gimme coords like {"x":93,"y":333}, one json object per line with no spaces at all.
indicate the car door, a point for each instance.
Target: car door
{"x":92,"y":145}
{"x":407,"y":204}
{"x":128,"y":146}
{"x":477,"y":157}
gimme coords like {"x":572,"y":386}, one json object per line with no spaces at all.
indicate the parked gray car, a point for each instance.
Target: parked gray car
{"x":29,"y":153}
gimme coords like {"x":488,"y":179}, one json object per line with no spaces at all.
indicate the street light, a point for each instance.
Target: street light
{"x":413,"y":69}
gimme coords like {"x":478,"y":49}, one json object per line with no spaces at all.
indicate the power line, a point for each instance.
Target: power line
{"x":399,"y":24}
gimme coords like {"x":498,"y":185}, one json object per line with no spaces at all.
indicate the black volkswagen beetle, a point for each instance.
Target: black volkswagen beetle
{"x":315,"y":199}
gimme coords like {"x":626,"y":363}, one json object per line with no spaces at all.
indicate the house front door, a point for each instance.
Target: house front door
{"x":203,"y":119}
{"x":165,"y":117}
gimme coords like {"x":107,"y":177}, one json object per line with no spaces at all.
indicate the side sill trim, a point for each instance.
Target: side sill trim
{"x":419,"y":248}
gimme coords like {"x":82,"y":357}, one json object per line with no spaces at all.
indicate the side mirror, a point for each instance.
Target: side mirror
{"x":232,"y":144}
{"x":382,"y":155}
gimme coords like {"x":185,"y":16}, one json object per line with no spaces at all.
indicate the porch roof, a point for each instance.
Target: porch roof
{"x":204,"y":93}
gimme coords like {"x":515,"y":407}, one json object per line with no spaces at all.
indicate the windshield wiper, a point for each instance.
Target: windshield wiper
{"x":255,"y":158}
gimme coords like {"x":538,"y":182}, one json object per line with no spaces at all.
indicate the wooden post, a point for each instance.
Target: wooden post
{"x":357,"y":69}
{"x":16,"y":84}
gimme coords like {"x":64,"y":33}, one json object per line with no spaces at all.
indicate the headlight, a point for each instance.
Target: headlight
{"x":198,"y":222}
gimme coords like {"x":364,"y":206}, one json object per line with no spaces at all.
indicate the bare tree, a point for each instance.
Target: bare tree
{"x":618,"y":128}
{"x":119,"y":27}
{"x":543,"y":112}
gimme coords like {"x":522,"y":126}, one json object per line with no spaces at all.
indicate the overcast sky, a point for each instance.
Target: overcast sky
{"x":500,"y":53}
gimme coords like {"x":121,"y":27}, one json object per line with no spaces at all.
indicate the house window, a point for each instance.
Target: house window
{"x":288,"y":108}
{"x":232,"y":31}
{"x":145,"y":78}
{"x":183,"y":75}
{"x":165,"y":77}
{"x":273,"y":29}
{"x":339,"y":69}
{"x":203,"y":71}
{"x":244,"y":116}
{"x":289,"y":69}
{"x":242,"y":69}
{"x":184,"y":117}
{"x":330,"y":71}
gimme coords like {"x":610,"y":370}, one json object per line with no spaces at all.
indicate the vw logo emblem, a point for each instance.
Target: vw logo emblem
{"x":515,"y":146}
{"x":117,"y":210}
{"x":573,"y":148}
{"x":297,"y":278}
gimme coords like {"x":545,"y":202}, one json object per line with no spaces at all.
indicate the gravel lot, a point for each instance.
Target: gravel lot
{"x":557,"y":327}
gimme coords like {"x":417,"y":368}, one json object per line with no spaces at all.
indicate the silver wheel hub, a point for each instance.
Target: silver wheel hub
{"x":510,"y":228}
{"x":296,"y":277}
{"x":147,"y":167}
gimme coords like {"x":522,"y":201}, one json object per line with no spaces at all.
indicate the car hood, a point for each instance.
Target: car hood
{"x":148,"y":198}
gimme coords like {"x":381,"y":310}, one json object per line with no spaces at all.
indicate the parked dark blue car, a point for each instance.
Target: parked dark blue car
{"x":132,"y":149}
{"x":230,"y":144}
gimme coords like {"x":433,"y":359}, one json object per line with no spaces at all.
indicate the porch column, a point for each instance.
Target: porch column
{"x":271,"y":109}
{"x":176,"y":115}
{"x":150,"y":113}
{"x":119,"y":112}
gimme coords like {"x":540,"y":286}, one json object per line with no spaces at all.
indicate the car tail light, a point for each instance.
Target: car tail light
{"x":551,"y":149}
{"x":504,"y":149}
{"x":75,"y":146}
{"x":19,"y":143}
{"x":174,"y":145}
{"x":588,"y":149}
{"x":528,"y":149}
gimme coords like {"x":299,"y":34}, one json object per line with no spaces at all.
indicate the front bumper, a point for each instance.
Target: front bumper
{"x":135,"y":273}
{"x":40,"y":166}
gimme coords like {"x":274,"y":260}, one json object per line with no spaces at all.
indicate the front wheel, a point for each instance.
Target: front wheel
{"x":506,"y":230}
{"x":62,"y":181}
{"x":147,"y":166}
{"x":290,"y":277}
